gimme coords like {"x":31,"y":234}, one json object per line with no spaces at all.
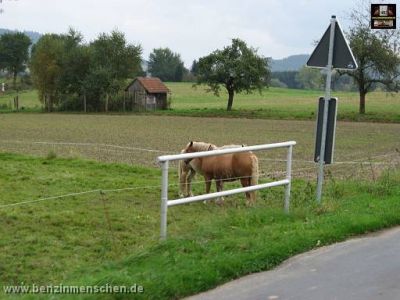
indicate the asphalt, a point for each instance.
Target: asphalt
{"x":364,"y":268}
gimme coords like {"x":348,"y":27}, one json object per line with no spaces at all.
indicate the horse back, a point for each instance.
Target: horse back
{"x":228,"y":165}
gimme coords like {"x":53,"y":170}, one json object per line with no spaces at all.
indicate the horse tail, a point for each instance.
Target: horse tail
{"x":254,"y":170}
{"x":180,"y":171}
{"x":182,"y":177}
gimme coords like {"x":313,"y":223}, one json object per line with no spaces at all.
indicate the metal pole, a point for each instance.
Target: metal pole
{"x":289,"y":178}
{"x":326,"y":104}
{"x":164,"y":199}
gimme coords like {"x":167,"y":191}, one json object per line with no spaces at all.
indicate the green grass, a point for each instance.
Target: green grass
{"x":273,"y":103}
{"x":94,"y":239}
{"x":280,"y":103}
{"x":28,"y":101}
{"x":125,"y":138}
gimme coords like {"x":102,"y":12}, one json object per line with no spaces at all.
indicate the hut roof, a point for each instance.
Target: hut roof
{"x":151,"y":84}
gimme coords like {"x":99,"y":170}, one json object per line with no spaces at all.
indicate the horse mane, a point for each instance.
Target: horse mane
{"x":231,"y":146}
{"x":201,"y":146}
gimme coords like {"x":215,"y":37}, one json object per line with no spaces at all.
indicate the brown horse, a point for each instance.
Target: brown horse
{"x":241,"y":166}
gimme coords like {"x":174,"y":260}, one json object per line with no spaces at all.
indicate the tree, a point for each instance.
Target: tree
{"x":194,"y":68}
{"x":46,"y":68}
{"x":113,"y":60}
{"x":166,"y":65}
{"x":75,"y":62}
{"x":14,"y":53}
{"x":377,"y":56}
{"x":237,"y":67}
{"x":310,"y":79}
{"x":288,"y":78}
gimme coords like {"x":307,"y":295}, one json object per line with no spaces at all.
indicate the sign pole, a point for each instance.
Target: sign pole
{"x":326,"y":105}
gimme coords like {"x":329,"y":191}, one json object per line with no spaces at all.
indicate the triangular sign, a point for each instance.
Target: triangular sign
{"x":342,"y":56}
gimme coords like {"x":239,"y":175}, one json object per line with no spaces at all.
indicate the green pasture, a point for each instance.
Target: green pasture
{"x":111,"y":237}
{"x":107,"y":229}
{"x":28,"y":101}
{"x":281,"y":103}
{"x":139,"y":139}
{"x":273,"y":103}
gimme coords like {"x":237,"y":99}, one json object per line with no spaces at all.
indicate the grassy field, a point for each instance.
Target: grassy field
{"x":280,"y":103}
{"x":109,"y":233}
{"x":28,"y":101}
{"x":273,"y":103}
{"x":138,"y":140}
{"x":111,"y":237}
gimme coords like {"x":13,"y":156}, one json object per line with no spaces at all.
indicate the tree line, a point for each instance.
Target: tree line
{"x":75,"y":75}
{"x":311,"y":79}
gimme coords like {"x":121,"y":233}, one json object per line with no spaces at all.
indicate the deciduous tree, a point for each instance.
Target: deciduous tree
{"x":166,"y":65}
{"x":377,"y":56}
{"x":238,"y":68}
{"x":113,"y":60}
{"x":46,"y":68}
{"x":14,"y":53}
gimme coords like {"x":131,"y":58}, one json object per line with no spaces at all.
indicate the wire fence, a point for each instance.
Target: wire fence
{"x":305,"y":172}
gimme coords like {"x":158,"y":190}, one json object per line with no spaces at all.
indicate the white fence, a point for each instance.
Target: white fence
{"x":164,"y":160}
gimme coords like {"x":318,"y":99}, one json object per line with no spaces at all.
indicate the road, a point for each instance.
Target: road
{"x":364,"y":268}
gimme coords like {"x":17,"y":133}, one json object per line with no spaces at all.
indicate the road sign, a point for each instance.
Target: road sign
{"x":342,"y":56}
{"x":330,"y":130}
{"x":332,"y":52}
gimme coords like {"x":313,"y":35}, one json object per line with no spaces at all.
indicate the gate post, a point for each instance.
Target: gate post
{"x":164,"y":199}
{"x":288,"y":177}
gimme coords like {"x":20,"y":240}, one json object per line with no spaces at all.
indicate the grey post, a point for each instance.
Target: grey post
{"x":164,"y":199}
{"x":288,"y":177}
{"x":326,"y":104}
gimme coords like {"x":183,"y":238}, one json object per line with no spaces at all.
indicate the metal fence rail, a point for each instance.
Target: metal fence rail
{"x":165,"y":159}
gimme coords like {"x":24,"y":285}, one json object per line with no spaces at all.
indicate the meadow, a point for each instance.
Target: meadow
{"x":281,"y":103}
{"x":273,"y":103}
{"x":105,"y":226}
{"x":109,"y":233}
{"x":138,"y":139}
{"x":28,"y":101}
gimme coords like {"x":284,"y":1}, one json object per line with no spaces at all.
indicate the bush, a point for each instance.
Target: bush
{"x":275,"y":82}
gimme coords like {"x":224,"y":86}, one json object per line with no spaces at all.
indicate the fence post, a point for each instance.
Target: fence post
{"x":288,"y":177}
{"x":164,"y":199}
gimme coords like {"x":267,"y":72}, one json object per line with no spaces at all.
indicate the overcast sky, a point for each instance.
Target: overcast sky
{"x":192,"y":28}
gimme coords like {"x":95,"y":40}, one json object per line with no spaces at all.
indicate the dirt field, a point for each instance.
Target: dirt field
{"x":140,"y":139}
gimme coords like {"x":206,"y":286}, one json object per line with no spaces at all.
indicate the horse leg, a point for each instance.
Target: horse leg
{"x":246,"y":182}
{"x":220,"y":186}
{"x":208,"y":186}
{"x":189,"y":193}
{"x":183,"y":173}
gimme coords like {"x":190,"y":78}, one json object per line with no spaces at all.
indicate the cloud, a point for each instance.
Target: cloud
{"x":192,"y":28}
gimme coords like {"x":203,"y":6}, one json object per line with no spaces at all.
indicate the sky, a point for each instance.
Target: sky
{"x":192,"y":28}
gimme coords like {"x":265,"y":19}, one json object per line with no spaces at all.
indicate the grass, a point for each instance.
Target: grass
{"x":28,"y":101}
{"x":116,"y":138}
{"x":273,"y":103}
{"x":281,"y":103}
{"x":112,"y":237}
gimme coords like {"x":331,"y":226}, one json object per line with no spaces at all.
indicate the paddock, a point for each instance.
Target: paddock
{"x":63,"y":215}
{"x":362,"y":149}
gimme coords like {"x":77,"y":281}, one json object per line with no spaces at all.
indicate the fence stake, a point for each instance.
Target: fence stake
{"x":164,"y":199}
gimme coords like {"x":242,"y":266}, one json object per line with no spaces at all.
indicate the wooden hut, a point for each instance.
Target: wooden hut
{"x":147,"y":93}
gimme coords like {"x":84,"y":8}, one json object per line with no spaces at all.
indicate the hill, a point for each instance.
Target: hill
{"x":34,"y":36}
{"x":291,"y":63}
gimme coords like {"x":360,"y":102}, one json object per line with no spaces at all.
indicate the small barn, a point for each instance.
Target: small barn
{"x":147,"y":93}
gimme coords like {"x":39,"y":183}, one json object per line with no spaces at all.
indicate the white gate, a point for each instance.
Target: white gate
{"x":164,"y":160}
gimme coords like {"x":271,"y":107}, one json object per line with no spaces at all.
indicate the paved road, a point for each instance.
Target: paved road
{"x":364,"y":268}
